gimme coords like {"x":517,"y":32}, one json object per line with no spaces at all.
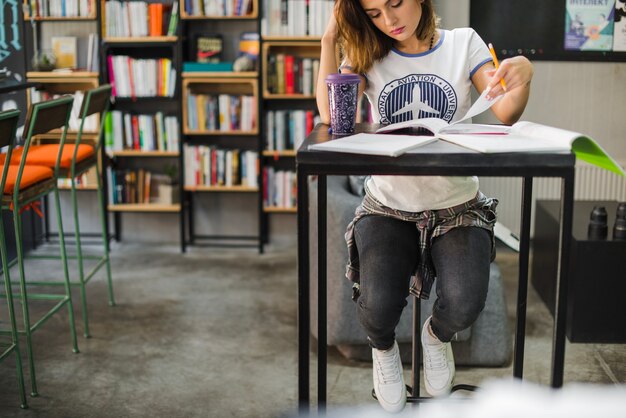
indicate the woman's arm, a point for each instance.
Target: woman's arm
{"x":329,"y":65}
{"x":517,"y":73}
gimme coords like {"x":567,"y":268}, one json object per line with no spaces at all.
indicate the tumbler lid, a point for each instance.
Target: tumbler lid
{"x":342,"y":78}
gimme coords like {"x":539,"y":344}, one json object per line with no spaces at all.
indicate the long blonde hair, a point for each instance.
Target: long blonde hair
{"x":363,"y":43}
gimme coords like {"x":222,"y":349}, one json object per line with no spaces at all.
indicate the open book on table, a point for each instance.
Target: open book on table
{"x":534,"y":137}
{"x":394,"y":145}
{"x":520,"y":137}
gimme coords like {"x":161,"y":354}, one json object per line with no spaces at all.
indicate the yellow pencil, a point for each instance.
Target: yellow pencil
{"x":497,"y":64}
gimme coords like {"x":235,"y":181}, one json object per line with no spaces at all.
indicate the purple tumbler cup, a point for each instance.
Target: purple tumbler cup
{"x":342,"y":94}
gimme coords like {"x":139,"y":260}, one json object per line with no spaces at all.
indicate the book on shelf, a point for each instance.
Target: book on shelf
{"x":207,"y":66}
{"x":134,"y":77}
{"x":280,"y":188}
{"x":291,"y":74}
{"x":126,"y":131}
{"x":249,"y":45}
{"x":173,"y":22}
{"x":295,"y":17}
{"x":212,"y":166}
{"x":155,"y":19}
{"x":65,"y":50}
{"x":208,"y":48}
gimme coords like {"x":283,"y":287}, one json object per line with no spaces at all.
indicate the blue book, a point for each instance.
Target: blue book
{"x":207,"y":66}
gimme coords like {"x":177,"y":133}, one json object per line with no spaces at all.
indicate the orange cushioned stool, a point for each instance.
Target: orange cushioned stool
{"x":76,"y":159}
{"x":24,"y":188}
{"x":8,"y":127}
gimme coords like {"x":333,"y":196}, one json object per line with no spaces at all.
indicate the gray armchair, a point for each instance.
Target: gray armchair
{"x":486,"y":343}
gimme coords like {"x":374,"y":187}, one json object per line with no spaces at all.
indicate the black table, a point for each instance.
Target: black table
{"x":437,"y":158}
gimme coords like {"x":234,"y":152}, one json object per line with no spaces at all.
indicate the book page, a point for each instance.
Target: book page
{"x":436,"y":125}
{"x":480,"y":105}
{"x":374,"y":144}
{"x":504,"y":143}
{"x":585,"y":148}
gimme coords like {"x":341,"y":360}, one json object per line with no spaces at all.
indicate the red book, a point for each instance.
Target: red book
{"x":131,"y":82}
{"x":309,"y":122}
{"x":213,"y":167}
{"x":111,"y":74}
{"x":289,"y":75}
{"x":136,"y":142}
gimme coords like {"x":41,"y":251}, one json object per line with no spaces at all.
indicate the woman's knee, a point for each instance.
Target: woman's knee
{"x":378,"y":316}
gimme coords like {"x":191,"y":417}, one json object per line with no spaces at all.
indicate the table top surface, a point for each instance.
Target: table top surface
{"x":437,"y":158}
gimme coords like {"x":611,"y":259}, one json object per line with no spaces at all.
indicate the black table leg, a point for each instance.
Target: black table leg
{"x":522,"y":286}
{"x":558,"y":341}
{"x":321,"y":294}
{"x":303,"y":293}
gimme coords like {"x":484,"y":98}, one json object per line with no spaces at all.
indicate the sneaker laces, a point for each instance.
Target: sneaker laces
{"x":387,"y":367}
{"x":436,"y":356}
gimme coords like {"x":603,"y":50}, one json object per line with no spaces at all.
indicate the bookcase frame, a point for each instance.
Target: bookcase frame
{"x":301,"y":46}
{"x":160,"y":47}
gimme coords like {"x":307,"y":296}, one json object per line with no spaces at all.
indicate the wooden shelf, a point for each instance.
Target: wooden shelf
{"x":272,"y":96}
{"x":185,"y":16}
{"x":212,"y":85}
{"x":90,"y":187}
{"x":144,"y":207}
{"x":60,"y":18}
{"x":277,"y":154}
{"x":303,"y":47}
{"x":276,"y":209}
{"x":61,"y":76}
{"x":233,"y":189}
{"x":140,"y":39}
{"x":219,"y":74}
{"x":187,"y":131}
{"x":137,"y":153}
{"x":276,"y":38}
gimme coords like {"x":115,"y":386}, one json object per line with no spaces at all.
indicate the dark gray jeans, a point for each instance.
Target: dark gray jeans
{"x":388,"y":254}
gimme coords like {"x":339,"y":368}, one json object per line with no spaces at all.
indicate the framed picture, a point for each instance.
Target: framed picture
{"x":208,"y":48}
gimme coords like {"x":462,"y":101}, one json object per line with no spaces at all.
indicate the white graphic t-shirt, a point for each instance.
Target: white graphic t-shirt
{"x":435,"y":83}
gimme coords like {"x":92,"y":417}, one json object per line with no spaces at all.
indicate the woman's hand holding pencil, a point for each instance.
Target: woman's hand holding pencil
{"x":508,"y":75}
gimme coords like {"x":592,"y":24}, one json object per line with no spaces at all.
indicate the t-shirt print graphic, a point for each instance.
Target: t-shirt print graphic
{"x":417,"y":96}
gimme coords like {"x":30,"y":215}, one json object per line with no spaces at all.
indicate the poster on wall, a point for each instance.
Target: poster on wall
{"x":12,"y":62}
{"x":619,"y":31}
{"x":589,"y":25}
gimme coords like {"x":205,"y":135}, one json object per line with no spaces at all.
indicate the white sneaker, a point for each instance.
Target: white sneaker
{"x":388,"y":379}
{"x":438,"y":363}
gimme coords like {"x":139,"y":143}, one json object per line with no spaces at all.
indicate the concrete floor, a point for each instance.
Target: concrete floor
{"x":212,"y":333}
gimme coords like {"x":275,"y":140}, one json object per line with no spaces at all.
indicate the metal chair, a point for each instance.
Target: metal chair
{"x":76,"y":159}
{"x":8,"y":127}
{"x":25,"y":185}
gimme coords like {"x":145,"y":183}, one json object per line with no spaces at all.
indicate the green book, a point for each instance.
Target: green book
{"x":171,"y":29}
{"x":108,"y":131}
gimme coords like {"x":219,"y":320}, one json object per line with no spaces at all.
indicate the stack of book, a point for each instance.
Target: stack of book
{"x":212,"y":166}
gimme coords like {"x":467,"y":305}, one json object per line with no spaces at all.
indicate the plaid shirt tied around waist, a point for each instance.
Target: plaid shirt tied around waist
{"x":479,"y":211}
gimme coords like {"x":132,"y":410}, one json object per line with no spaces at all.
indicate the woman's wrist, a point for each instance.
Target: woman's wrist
{"x":329,"y":39}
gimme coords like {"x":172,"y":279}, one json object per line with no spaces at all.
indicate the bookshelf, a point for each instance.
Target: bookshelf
{"x":220,"y":125}
{"x":140,"y":57}
{"x":290,"y":66}
{"x":45,"y":25}
{"x":148,"y":52}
